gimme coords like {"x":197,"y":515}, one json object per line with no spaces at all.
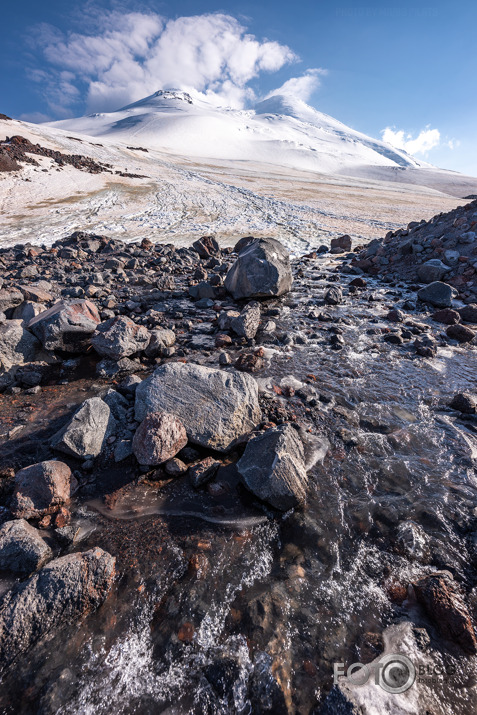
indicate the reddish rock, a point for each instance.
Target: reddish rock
{"x":439,"y":596}
{"x":206,"y":246}
{"x":186,"y":633}
{"x":159,"y":437}
{"x":468,"y":314}
{"x":66,"y":326}
{"x":250,"y":362}
{"x":35,"y":294}
{"x":40,"y":489}
{"x":222,"y":340}
{"x":203,"y":471}
{"x":461,"y":333}
{"x":447,"y":316}
{"x":342,"y":244}
{"x":62,"y":517}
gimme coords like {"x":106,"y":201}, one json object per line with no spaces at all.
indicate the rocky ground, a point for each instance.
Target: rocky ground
{"x":142,"y":371}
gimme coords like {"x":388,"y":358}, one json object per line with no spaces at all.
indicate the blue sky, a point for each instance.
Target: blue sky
{"x":408,"y":67}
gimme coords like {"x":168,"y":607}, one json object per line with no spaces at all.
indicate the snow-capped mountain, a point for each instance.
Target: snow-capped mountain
{"x":280,"y":130}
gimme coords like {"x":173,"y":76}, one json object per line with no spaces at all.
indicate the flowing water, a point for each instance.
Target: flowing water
{"x":218,"y":601}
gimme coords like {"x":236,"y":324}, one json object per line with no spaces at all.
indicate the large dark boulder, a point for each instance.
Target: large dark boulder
{"x":22,"y":548}
{"x":261,"y":270}
{"x":120,"y":337}
{"x":438,"y":294}
{"x":40,"y":489}
{"x":63,"y":591}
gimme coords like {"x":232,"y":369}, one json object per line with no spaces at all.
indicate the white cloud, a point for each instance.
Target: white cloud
{"x":135,"y":54}
{"x":301,"y":87}
{"x":426,"y":140}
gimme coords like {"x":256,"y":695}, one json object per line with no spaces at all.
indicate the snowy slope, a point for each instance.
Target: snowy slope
{"x":280,"y":130}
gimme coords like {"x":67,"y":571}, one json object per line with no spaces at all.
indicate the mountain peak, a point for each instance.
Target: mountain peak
{"x":159,"y":97}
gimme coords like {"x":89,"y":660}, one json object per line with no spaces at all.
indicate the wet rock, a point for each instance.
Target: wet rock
{"x":206,"y":246}
{"x":262,"y":269}
{"x":395,"y":316}
{"x":425,"y":346}
{"x":461,"y":333}
{"x":412,"y":540}
{"x":120,"y":337}
{"x":222,"y":674}
{"x":203,"y":472}
{"x":273,"y":468}
{"x":22,"y":549}
{"x":216,"y":407}
{"x":17,"y":345}
{"x":159,"y":437}
{"x":67,"y":536}
{"x":85,"y":435}
{"x":63,"y":591}
{"x":464,"y":402}
{"x":439,"y":596}
{"x":10,"y":298}
{"x":447,"y":316}
{"x":266,"y":694}
{"x":438,"y":294}
{"x":250,"y":361}
{"x":66,"y":326}
{"x":159,"y":341}
{"x":468,"y":314}
{"x":247,"y":323}
{"x":432,"y":270}
{"x":40,"y":489}
{"x":333,"y":296}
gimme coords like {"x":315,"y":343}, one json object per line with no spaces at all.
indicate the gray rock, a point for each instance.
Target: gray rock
{"x":10,"y":298}
{"x":159,"y":340}
{"x":117,"y":404}
{"x":225,"y":319}
{"x":438,"y":294}
{"x":246,"y":324}
{"x":35,"y":294}
{"x":262,"y":269}
{"x":86,"y":433}
{"x":123,"y":450}
{"x":66,"y":326}
{"x":333,"y":296}
{"x":63,"y":591}
{"x":40,"y":489}
{"x":433,"y":270}
{"x":27,"y":310}
{"x":203,"y":472}
{"x":202,"y":290}
{"x":121,"y":337}
{"x":17,"y":345}
{"x":273,"y":468}
{"x":451,"y":257}
{"x":468,"y":314}
{"x":216,"y":407}
{"x":22,"y":549}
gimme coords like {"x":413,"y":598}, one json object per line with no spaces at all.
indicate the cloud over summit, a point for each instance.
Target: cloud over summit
{"x":134,"y":54}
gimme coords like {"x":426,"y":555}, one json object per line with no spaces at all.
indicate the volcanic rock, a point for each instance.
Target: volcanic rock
{"x":63,"y":591}
{"x":261,"y":270}
{"x":66,"y":326}
{"x":121,"y":337}
{"x":85,"y":434}
{"x":22,"y":549}
{"x":216,"y":407}
{"x":438,"y":294}
{"x":40,"y":489}
{"x":159,"y":437}
{"x":246,"y":324}
{"x":273,"y":468}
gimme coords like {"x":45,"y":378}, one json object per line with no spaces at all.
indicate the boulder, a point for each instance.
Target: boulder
{"x":216,"y":407}
{"x":40,"y":489}
{"x":159,"y":437}
{"x":203,"y":471}
{"x":440,"y":597}
{"x":464,"y":402}
{"x":461,"y":333}
{"x":342,"y":244}
{"x":35,"y":294}
{"x":468,"y":314}
{"x":433,"y":270}
{"x":447,"y":316}
{"x":27,"y":310}
{"x":247,"y":322}
{"x":438,"y":294}
{"x":273,"y":468}
{"x":121,"y":337}
{"x":85,"y":434}
{"x":159,"y":341}
{"x":261,"y":270}
{"x":63,"y":591}
{"x":206,"y":246}
{"x":22,"y":548}
{"x":333,"y":296}
{"x":17,"y":345}
{"x":66,"y":326}
{"x":10,"y":298}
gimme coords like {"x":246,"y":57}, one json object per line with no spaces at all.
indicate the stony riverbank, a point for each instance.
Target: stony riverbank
{"x":145,"y":380}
